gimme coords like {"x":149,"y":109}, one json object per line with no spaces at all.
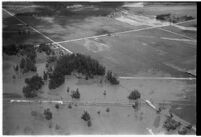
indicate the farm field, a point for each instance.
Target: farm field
{"x":147,"y":53}
{"x":154,"y":57}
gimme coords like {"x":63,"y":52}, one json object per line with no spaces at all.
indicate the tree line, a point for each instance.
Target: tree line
{"x":172,"y":18}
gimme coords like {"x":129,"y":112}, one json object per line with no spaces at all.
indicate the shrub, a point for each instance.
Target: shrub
{"x":48,"y":114}
{"x":134,"y":95}
{"x":104,"y":92}
{"x":57,"y":106}
{"x":68,"y":89}
{"x":69,"y":106}
{"x":86,"y":116}
{"x":57,"y":127}
{"x":89,"y":123}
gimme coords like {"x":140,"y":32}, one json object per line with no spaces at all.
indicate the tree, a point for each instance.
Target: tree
{"x":27,"y":65}
{"x":35,"y":82}
{"x":48,"y":114}
{"x":134,"y":95}
{"x":89,"y":123}
{"x":75,"y":94}
{"x":29,"y":92}
{"x":85,"y":116}
{"x":111,"y":78}
{"x":56,"y":79}
{"x":171,"y":124}
{"x":32,"y":87}
{"x":57,"y":106}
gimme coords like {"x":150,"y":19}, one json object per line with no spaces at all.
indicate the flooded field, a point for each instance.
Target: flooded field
{"x":170,"y":93}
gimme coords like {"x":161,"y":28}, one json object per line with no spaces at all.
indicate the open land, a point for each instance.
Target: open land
{"x":153,"y":53}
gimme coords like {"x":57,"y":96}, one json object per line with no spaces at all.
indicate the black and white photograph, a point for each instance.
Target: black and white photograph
{"x":99,"y":68}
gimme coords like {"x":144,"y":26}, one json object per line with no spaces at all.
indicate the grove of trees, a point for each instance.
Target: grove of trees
{"x":32,"y":86}
{"x":172,"y":18}
{"x":23,"y":49}
{"x":67,"y":64}
{"x":27,"y":63}
{"x":10,"y":49}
